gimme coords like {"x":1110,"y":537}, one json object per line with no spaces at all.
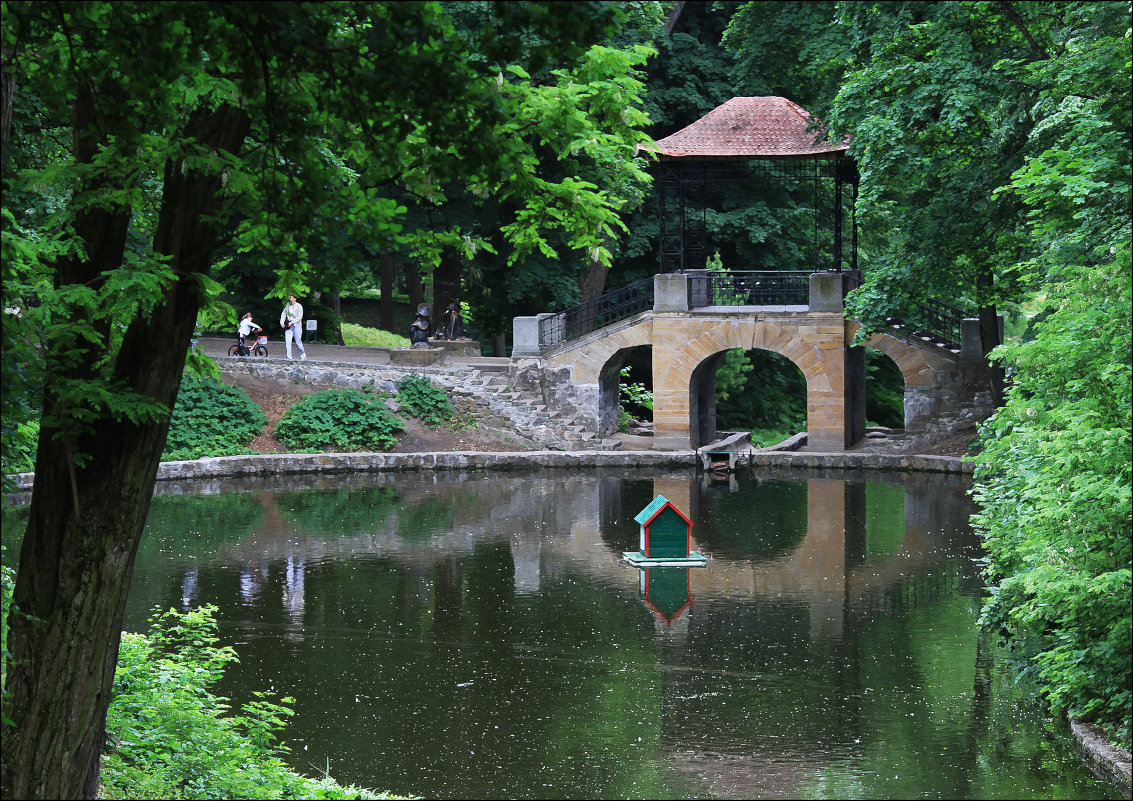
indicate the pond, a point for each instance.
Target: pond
{"x":478,"y":636}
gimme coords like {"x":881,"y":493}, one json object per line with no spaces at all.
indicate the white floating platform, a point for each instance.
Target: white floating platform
{"x":638,"y":559}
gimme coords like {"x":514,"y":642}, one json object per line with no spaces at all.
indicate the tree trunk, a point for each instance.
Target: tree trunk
{"x":446,"y":285}
{"x":592,"y":282}
{"x":413,"y":287}
{"x":989,"y":332}
{"x":385,"y":302}
{"x":86,"y":518}
{"x":336,"y":307}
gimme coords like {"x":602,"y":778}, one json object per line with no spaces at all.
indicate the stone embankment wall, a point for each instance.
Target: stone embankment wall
{"x":332,"y":463}
{"x":535,"y":415}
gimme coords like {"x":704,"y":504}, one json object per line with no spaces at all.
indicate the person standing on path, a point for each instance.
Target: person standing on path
{"x":291,"y":320}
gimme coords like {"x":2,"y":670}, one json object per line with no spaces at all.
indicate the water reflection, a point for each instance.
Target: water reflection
{"x":479,"y":636}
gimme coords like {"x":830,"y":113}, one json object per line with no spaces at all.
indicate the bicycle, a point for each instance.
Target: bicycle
{"x":259,"y":349}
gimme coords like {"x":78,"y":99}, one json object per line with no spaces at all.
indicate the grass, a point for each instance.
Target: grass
{"x":360,"y":336}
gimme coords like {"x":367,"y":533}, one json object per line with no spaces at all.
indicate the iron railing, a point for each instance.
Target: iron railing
{"x":734,"y":288}
{"x":933,"y":318}
{"x":598,"y":313}
{"x":937,"y":320}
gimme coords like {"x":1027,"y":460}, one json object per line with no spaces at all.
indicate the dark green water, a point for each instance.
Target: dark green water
{"x":476,"y":636}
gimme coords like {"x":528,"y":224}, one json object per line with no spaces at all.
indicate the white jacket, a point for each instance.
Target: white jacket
{"x":292,"y":313}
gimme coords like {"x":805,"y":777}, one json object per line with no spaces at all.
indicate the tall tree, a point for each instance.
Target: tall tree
{"x":274,"y":124}
{"x":1053,"y":481}
{"x":938,"y":124}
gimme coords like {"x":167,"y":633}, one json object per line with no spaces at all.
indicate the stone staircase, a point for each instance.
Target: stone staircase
{"x":496,"y":404}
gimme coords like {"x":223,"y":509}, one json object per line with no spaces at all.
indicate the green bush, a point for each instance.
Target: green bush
{"x":425,"y":401}
{"x":339,"y":419}
{"x":24,"y":441}
{"x":169,"y":736}
{"x":211,"y":419}
{"x":632,"y":394}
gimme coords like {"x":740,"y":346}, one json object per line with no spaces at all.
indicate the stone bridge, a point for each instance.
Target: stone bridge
{"x":945,"y":386}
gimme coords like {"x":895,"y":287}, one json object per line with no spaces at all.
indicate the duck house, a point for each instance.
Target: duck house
{"x":666,"y":537}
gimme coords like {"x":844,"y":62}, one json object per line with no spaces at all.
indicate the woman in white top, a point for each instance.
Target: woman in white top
{"x":292,"y":323}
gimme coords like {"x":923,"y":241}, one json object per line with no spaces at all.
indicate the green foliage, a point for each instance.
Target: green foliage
{"x":760,"y":390}
{"x":631,"y":394}
{"x":338,"y":419}
{"x":885,"y":391}
{"x":170,"y":736}
{"x":424,"y":400}
{"x":20,"y":454}
{"x":211,"y":419}
{"x":1053,"y":480}
{"x":7,"y":586}
{"x":635,"y":392}
{"x":1053,"y":485}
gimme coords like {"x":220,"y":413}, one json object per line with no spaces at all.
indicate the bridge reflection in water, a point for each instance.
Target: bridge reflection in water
{"x":478,"y":636}
{"x":566,"y":522}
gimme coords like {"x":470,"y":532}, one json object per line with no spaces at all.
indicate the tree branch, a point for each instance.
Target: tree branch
{"x":1013,"y":15}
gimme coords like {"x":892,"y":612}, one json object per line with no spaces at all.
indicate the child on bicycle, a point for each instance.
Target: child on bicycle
{"x":247,"y":329}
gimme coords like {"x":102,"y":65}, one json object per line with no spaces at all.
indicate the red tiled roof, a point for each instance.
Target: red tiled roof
{"x":749,"y":127}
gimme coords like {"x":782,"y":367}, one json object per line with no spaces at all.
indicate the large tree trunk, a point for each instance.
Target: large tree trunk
{"x":989,"y":331}
{"x":86,"y":517}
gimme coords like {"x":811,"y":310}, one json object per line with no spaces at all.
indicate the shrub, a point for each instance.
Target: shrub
{"x":21,"y":455}
{"x":631,"y":393}
{"x":211,"y":419}
{"x":425,"y":401}
{"x":339,"y":419}
{"x":168,"y":735}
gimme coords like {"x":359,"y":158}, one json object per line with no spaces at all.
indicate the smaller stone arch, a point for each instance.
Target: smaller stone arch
{"x":910,"y":360}
{"x":921,"y":376}
{"x":596,"y":366}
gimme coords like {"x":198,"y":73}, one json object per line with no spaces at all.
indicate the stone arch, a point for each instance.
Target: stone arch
{"x":609,"y":391}
{"x":917,"y":372}
{"x":597,"y":364}
{"x":587,"y":360}
{"x":910,"y":360}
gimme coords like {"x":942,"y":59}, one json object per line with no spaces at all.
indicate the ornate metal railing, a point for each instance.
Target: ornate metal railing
{"x":735,"y":288}
{"x":598,"y":313}
{"x":933,"y":319}
{"x":937,"y":320}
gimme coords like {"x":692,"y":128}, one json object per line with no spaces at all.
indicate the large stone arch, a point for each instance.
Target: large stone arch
{"x":685,"y":348}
